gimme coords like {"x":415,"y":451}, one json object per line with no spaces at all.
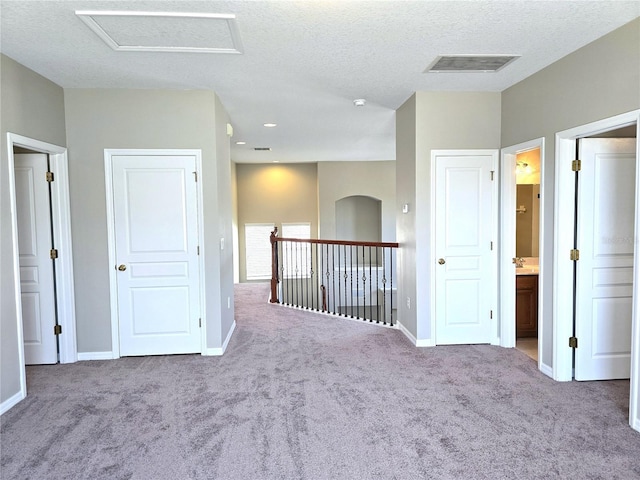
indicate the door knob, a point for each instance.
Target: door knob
{"x":122,"y":267}
{"x":441,"y":261}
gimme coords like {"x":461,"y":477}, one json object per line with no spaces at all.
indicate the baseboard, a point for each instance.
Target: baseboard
{"x":418,"y":343}
{"x":546,"y":369}
{"x":11,"y":402}
{"x":83,"y":356}
{"x":225,"y":344}
{"x":216,"y":352}
{"x":425,"y":342}
{"x":636,"y":424}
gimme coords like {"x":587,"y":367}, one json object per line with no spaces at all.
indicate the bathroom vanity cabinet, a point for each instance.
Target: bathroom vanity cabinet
{"x":526,"y":306}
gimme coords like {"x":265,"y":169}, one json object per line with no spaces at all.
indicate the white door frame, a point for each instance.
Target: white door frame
{"x":507,"y":248}
{"x":61,"y":218}
{"x":563,"y":243}
{"x":111,"y":236}
{"x":432,"y":237}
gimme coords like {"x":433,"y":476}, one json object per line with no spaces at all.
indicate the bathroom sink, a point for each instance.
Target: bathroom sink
{"x":528,"y":270}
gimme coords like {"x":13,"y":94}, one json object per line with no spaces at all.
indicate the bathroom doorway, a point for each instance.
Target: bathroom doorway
{"x":521,"y":250}
{"x":527,"y":258}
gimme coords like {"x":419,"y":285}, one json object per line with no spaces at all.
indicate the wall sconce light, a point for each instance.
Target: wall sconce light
{"x":523,"y":167}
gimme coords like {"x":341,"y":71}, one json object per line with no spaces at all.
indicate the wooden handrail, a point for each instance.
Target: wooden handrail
{"x":275,"y":261}
{"x":334,"y":242}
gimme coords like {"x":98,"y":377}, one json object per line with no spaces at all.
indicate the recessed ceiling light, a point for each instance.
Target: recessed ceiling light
{"x":359,"y":102}
{"x":241,"y":143}
{"x":276,"y":161}
{"x":270,"y":125}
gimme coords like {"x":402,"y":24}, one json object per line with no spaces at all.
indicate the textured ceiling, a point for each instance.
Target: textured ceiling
{"x":305,"y":62}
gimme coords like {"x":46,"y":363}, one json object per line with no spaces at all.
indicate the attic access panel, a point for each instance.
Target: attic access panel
{"x":165,"y":31}
{"x":470,"y":63}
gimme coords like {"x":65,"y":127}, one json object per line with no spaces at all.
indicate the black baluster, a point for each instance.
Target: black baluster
{"x":384,"y":286}
{"x":370,"y":288}
{"x":391,"y":287}
{"x":364,"y":286}
{"x":351,"y":280}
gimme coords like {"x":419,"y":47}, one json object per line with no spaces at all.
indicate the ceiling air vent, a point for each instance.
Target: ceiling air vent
{"x":262,"y":149}
{"x":470,"y":63}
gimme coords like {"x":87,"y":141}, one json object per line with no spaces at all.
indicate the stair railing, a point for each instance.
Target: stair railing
{"x":345,"y":278}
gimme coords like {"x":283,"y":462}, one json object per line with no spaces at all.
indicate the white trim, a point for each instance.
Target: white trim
{"x":85,"y":356}
{"x":546,"y":369}
{"x":563,"y":242}
{"x":225,"y":344}
{"x":424,"y":342}
{"x":111,"y":235}
{"x":216,"y":352}
{"x":11,"y":402}
{"x":494,"y":229}
{"x":507,"y":243}
{"x":62,"y":238}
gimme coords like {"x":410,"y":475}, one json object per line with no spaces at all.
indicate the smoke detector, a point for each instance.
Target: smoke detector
{"x":359,"y":102}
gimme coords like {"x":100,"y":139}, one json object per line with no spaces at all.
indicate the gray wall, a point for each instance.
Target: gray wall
{"x":443,"y":120}
{"x":225,"y":215}
{"x":597,"y":81}
{"x":31,"y":106}
{"x":338,"y":180}
{"x":275,"y":193}
{"x":99,"y":119}
{"x":406,"y":134}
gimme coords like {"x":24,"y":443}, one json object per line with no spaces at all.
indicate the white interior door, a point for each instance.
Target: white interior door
{"x":464,"y":228}
{"x":156,"y":250}
{"x":606,"y":210}
{"x":36,"y":266}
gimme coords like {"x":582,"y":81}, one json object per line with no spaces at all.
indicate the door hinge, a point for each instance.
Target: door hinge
{"x":195,"y":175}
{"x":492,"y":172}
{"x":200,"y":322}
{"x":574,"y":254}
{"x":53,"y":253}
{"x":49,"y":177}
{"x":57,"y":329}
{"x":491,"y":314}
{"x":491,"y":245}
{"x":573,"y":342}
{"x":198,"y":249}
{"x":576,"y":165}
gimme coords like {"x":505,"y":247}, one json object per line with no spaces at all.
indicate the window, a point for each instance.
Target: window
{"x":297,"y":262}
{"x":258,"y":250}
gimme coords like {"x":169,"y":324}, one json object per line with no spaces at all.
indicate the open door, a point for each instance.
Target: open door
{"x":35,"y":242}
{"x":606,"y":202}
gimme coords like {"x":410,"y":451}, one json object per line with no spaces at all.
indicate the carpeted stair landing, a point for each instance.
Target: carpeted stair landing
{"x":306,"y":396}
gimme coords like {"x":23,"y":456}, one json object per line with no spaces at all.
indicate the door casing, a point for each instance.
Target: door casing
{"x":111,"y":236}
{"x":563,"y":266}
{"x":507,"y":249}
{"x":61,"y":218}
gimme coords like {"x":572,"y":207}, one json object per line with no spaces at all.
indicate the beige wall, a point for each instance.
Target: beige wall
{"x":597,"y":81}
{"x":100,"y":119}
{"x":276,"y":193}
{"x":337,"y":180}
{"x":443,"y":120}
{"x":31,"y":106}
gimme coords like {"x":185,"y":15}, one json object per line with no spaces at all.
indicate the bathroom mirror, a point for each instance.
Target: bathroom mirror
{"x":527,"y":220}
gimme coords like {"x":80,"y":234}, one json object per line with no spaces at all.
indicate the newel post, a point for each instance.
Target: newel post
{"x":274,"y":265}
